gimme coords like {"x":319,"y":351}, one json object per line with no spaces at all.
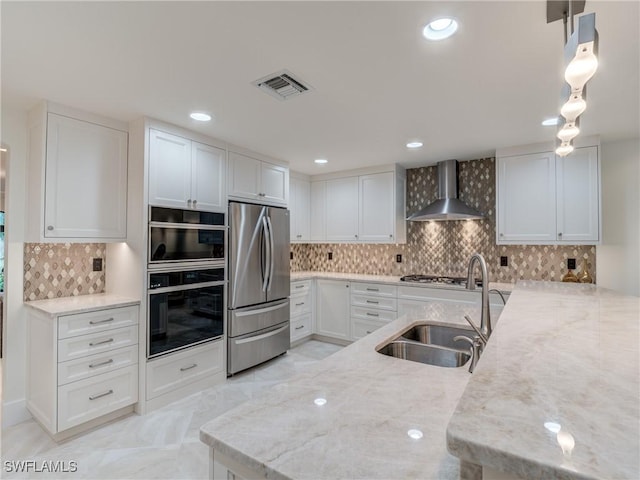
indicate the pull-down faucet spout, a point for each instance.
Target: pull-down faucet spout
{"x":485,"y":316}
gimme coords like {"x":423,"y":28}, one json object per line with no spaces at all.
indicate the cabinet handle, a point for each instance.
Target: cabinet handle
{"x":391,"y":235}
{"x":97,"y":322}
{"x":373,"y":289}
{"x":94,"y":365}
{"x":373,"y":302}
{"x":299,"y":304}
{"x":560,"y":234}
{"x":189,"y":202}
{"x":301,"y":326}
{"x":100,"y":395}
{"x":194,"y":203}
{"x":299,"y":286}
{"x":298,"y":236}
{"x":262,"y":194}
{"x":50,"y":227}
{"x":184,"y":369}
{"x":368,"y":332}
{"x":373,"y":314}
{"x":502,"y":234}
{"x":94,"y":344}
{"x":356,"y":235}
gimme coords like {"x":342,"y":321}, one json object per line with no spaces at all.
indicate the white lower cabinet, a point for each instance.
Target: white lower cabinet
{"x":81,"y":366}
{"x":332,"y":309}
{"x":169,"y":373}
{"x":301,"y":309}
{"x":372,"y":306}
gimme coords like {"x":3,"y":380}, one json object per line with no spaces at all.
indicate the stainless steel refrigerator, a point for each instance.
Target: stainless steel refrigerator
{"x":258,"y":316}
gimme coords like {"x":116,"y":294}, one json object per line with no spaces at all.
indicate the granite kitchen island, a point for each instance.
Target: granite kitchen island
{"x":561,"y":355}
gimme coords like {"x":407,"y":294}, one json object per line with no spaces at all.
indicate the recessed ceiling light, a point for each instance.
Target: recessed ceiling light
{"x":440,"y":29}
{"x":548,"y":122}
{"x":415,"y":434}
{"x":200,"y":116}
{"x":320,"y":401}
{"x":321,"y":161}
{"x":414,"y":144}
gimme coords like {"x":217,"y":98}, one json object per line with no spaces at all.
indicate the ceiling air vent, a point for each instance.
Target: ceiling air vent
{"x":282,"y":85}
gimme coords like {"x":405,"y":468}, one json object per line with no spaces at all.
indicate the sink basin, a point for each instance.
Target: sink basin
{"x":425,"y":353}
{"x":438,"y":335}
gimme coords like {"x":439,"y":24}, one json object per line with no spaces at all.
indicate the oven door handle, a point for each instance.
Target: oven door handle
{"x":187,"y":226}
{"x":261,"y":337}
{"x":178,"y":288}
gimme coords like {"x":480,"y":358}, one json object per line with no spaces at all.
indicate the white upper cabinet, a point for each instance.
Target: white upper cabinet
{"x":367,"y":206}
{"x":185,"y":174}
{"x":300,"y":207}
{"x":547,"y":199}
{"x":256,"y":180}
{"x":77,"y":176}
{"x":342,"y":209}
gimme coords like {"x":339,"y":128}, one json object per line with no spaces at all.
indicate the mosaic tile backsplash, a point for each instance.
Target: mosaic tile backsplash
{"x":54,"y":270}
{"x":444,"y":248}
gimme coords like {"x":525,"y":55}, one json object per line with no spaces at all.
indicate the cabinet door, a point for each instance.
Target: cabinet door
{"x":86,"y":180}
{"x":578,"y":209}
{"x":274,"y":183}
{"x":342,"y":209}
{"x":318,"y":218}
{"x":376,"y":208}
{"x":299,"y":205}
{"x":332,"y":309}
{"x":526,"y":199}
{"x":208,"y":178}
{"x":169,"y":170}
{"x":244,"y":176}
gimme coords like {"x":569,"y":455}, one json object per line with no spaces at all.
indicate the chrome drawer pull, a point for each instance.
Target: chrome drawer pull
{"x":94,"y":344}
{"x":94,"y":365}
{"x":301,"y":326}
{"x":368,"y":332}
{"x":373,"y":290}
{"x":371,"y":301}
{"x":373,"y":314}
{"x":299,"y":304}
{"x":100,"y":395}
{"x":184,"y":369}
{"x":300,"y":286}
{"x":97,"y":322}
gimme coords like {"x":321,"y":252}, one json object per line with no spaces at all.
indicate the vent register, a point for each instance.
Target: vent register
{"x":282,"y":85}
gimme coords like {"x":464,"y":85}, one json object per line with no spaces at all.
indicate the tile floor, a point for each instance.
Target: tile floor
{"x":162,"y":444}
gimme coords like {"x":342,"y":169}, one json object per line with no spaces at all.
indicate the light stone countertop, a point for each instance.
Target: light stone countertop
{"x":562,"y":353}
{"x":80,"y":303}
{"x":361,"y":432}
{"x":388,"y":279}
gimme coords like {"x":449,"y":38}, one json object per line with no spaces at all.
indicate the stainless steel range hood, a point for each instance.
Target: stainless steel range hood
{"x":447,"y":206}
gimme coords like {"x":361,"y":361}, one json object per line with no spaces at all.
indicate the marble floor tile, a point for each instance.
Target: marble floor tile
{"x":162,"y":444}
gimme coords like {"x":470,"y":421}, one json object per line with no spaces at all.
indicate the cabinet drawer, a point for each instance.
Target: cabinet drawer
{"x":361,"y":327}
{"x":383,"y":303}
{"x":81,"y":401}
{"x":300,"y":304}
{"x":98,"y":321}
{"x":82,"y":346}
{"x":300,"y":287}
{"x":170,"y":372}
{"x":377,"y":289}
{"x":81,"y":368}
{"x":301,"y":327}
{"x":373,"y":314}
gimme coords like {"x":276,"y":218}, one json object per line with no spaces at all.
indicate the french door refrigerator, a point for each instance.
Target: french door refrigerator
{"x":258,"y":315}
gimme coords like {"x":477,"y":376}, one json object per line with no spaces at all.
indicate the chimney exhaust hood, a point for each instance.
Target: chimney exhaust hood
{"x":447,"y":206}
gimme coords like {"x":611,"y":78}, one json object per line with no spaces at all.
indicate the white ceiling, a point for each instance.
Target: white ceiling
{"x":377,"y":83}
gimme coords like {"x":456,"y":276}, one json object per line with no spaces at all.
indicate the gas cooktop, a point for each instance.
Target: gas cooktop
{"x":439,"y":280}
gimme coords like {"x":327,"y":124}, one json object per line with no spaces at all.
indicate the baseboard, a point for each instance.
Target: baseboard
{"x":335,"y":341}
{"x":14,"y":412}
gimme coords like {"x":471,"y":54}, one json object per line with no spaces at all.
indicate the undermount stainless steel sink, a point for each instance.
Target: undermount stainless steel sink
{"x":425,"y":353}
{"x":438,"y":335}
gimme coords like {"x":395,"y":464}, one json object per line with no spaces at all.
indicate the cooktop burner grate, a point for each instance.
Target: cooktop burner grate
{"x":440,"y":279}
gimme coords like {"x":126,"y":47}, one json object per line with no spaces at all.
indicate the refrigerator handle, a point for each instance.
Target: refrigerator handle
{"x":272,"y":249}
{"x":266,"y":240}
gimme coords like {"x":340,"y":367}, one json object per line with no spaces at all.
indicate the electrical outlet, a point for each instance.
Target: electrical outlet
{"x":330,"y":255}
{"x":290,"y":255}
{"x":504,"y":261}
{"x":97,"y":264}
{"x":571,"y":263}
{"x":399,"y":258}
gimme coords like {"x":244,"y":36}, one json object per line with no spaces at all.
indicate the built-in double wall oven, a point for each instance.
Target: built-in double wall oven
{"x":186,"y":293}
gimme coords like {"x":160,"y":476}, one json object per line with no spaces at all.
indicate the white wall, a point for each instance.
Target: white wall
{"x":618,"y":258}
{"x":14,"y":136}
